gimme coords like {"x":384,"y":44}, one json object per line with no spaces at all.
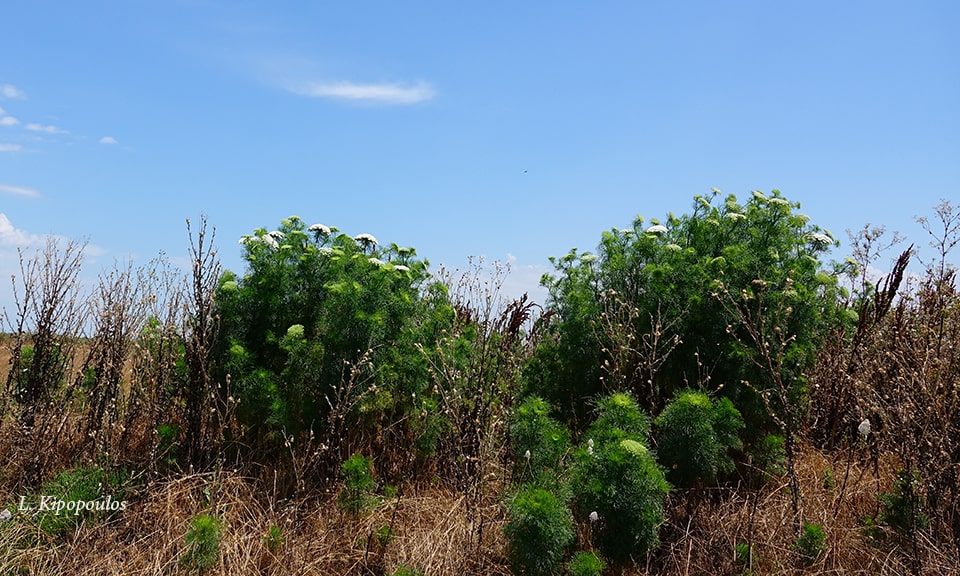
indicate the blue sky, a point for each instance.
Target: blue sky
{"x":514,"y":131}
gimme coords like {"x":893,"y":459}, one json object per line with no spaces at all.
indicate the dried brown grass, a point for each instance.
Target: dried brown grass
{"x":430,"y":533}
{"x":701,"y":539}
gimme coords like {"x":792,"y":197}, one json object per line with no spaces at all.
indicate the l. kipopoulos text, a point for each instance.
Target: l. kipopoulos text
{"x":75,"y":507}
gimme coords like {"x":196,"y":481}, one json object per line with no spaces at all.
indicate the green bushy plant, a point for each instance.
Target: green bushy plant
{"x":539,"y":442}
{"x":902,"y":509}
{"x":743,"y":556}
{"x":618,"y":478}
{"x":664,"y":272}
{"x":403,"y":570}
{"x":539,"y":528}
{"x":385,"y":535}
{"x":810,"y":545}
{"x":167,"y":441}
{"x":585,"y":564}
{"x":274,"y":538}
{"x":202,"y":543}
{"x":314,"y":299}
{"x":618,"y":416}
{"x":359,"y":485}
{"x":59,"y":504}
{"x":694,"y":434}
{"x":769,"y":455}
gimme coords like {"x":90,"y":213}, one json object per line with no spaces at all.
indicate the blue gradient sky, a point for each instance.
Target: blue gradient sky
{"x":514,"y":131}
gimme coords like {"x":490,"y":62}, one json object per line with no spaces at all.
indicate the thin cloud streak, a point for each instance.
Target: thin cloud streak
{"x":382,"y":93}
{"x":19,"y":190}
{"x":34,"y":127}
{"x":11,"y":91}
{"x":10,"y":147}
{"x":108,"y":140}
{"x":9,"y":121}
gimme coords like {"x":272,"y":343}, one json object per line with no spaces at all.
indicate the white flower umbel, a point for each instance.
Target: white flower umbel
{"x":269,"y":241}
{"x":864,"y":428}
{"x":657,"y":229}
{"x":277,"y":235}
{"x":366,"y":239}
{"x":325,"y":250}
{"x":377,"y":262}
{"x":320,"y":229}
{"x":590,"y":446}
{"x":401,"y":268}
{"x":820,"y":239}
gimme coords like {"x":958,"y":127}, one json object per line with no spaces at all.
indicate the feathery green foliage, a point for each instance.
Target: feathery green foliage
{"x":666,"y":272}
{"x":539,"y":528}
{"x":618,"y":478}
{"x":358,"y":484}
{"x":585,"y":564}
{"x":202,"y":541}
{"x":539,"y":442}
{"x":810,"y":543}
{"x":313,"y":303}
{"x":694,"y":434}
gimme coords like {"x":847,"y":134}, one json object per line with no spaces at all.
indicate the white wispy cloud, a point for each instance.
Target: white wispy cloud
{"x":11,"y":91}
{"x":8,"y":121}
{"x":48,"y":129}
{"x":11,"y":236}
{"x":108,"y":140}
{"x":19,"y":190}
{"x":525,"y":279}
{"x":376,"y":93}
{"x":10,"y":147}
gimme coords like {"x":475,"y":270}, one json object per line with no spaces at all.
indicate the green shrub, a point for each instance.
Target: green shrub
{"x":313,"y":299}
{"x":665,"y":275}
{"x":384,"y":535}
{"x":403,"y":570}
{"x":811,"y":543}
{"x":694,"y":434}
{"x":274,"y":538}
{"x":539,"y":528}
{"x":546,"y":441}
{"x":618,"y":478}
{"x":585,"y":564}
{"x":623,"y":484}
{"x":743,"y":555}
{"x":167,"y":441}
{"x":827,"y":480}
{"x":359,"y":485}
{"x":202,"y":543}
{"x":617,"y":417}
{"x":871,"y":529}
{"x":769,"y":455}
{"x":91,"y":488}
{"x":902,"y":509}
